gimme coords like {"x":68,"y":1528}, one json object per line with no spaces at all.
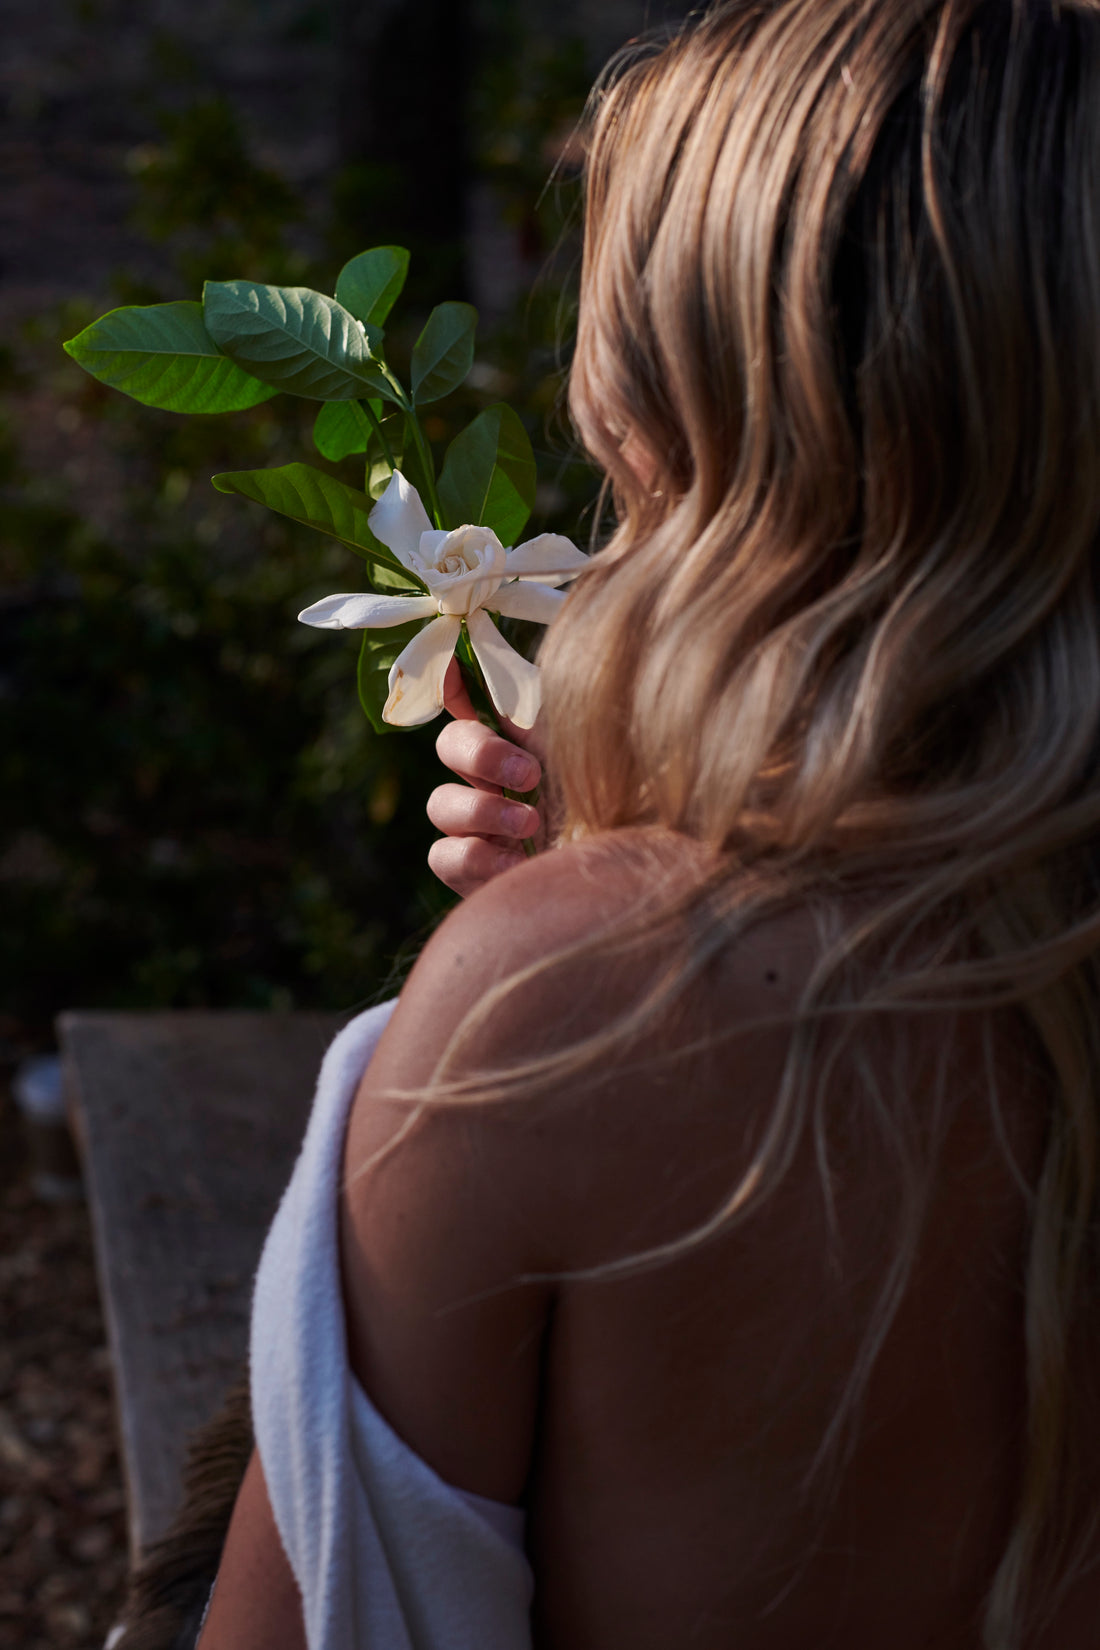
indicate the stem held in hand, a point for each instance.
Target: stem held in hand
{"x":479,"y":698}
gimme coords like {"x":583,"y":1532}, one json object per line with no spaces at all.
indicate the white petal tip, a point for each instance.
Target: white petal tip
{"x":397,"y":713}
{"x":416,"y":675}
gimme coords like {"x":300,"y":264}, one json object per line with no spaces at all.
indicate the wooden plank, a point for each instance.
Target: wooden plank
{"x":188,"y":1125}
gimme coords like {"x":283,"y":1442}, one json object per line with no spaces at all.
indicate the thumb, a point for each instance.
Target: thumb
{"x":456,"y":700}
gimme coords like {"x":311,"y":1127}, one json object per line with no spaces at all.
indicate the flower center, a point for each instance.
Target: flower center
{"x":460,"y":564}
{"x":465,"y":569}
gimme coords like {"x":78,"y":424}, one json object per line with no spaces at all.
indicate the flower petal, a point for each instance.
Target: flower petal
{"x":548,"y":559}
{"x":525,"y":599}
{"x":431,"y":542}
{"x":512,"y":681}
{"x":399,"y":518}
{"x":366,"y":611}
{"x":416,"y":675}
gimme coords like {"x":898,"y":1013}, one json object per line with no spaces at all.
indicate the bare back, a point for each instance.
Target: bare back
{"x":661,"y":1427}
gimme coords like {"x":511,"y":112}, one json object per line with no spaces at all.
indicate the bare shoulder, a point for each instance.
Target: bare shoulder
{"x":448,"y":1225}
{"x":591,"y":930}
{"x":526,"y":998}
{"x":449,"y":1213}
{"x":551,"y":955}
{"x":529,"y":973}
{"x":447,"y":1208}
{"x":550,"y":907}
{"x":575,"y":892}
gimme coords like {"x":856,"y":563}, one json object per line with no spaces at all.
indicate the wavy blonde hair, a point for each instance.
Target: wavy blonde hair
{"x":839,"y":359}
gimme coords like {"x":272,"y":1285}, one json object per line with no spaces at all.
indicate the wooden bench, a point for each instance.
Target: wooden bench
{"x":187,"y":1125}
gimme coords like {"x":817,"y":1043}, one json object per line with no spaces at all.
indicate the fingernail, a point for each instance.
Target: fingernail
{"x":514,"y":818}
{"x":506,"y":861}
{"x":519,"y":773}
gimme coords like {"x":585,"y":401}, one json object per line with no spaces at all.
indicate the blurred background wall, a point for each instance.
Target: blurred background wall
{"x":193,"y":810}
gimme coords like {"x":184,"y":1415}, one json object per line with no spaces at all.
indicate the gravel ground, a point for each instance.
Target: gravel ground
{"x":63,"y":1552}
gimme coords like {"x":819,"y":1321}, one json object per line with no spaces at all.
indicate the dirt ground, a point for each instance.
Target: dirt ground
{"x":62,"y":1512}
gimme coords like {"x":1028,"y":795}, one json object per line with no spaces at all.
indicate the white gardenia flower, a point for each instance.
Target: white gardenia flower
{"x":468,"y":574}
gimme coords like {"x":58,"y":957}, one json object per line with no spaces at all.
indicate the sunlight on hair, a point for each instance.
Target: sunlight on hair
{"x":846,"y":631}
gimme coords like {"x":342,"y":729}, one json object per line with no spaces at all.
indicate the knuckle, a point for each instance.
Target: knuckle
{"x":448,"y":866}
{"x":460,"y":747}
{"x":466,"y":864}
{"x":450,"y":743}
{"x":440,"y":808}
{"x":488,"y":814}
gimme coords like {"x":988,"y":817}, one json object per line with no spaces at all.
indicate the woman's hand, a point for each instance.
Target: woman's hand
{"x":483,"y":830}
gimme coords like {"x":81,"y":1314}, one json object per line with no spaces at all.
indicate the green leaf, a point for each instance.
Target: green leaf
{"x":377,"y":653}
{"x":342,"y":428}
{"x":319,"y":500}
{"x":370,"y":284}
{"x":163,"y":356}
{"x":384,"y":578}
{"x":488,"y":475}
{"x":294,"y":338}
{"x":444,"y":352}
{"x":380,"y":473}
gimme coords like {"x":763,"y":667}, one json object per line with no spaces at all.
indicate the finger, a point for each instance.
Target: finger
{"x":530,"y":739}
{"x":455,"y":697}
{"x":461,"y":812}
{"x":466,"y":864}
{"x":483,"y":758}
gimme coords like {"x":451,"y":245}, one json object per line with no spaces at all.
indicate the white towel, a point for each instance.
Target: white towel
{"x":386,"y":1555}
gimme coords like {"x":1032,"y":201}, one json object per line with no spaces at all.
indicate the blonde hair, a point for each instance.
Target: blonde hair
{"x":840,"y":289}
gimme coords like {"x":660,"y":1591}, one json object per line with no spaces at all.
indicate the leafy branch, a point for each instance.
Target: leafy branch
{"x":247,"y":342}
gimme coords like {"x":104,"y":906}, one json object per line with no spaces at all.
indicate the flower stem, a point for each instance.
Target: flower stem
{"x":380,"y":433}
{"x":427,"y":464}
{"x":475,"y":682}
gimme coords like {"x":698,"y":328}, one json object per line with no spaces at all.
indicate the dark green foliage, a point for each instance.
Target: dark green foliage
{"x":308,"y":495}
{"x":489,"y":474}
{"x":444,"y":352}
{"x":297,"y":339}
{"x":163,"y":356}
{"x":370,"y":283}
{"x":193,"y":808}
{"x":342,"y":428}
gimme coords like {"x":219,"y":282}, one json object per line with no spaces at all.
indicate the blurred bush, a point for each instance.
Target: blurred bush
{"x":193,"y":810}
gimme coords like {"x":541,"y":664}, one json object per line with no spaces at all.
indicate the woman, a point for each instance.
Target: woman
{"x":723,"y":1190}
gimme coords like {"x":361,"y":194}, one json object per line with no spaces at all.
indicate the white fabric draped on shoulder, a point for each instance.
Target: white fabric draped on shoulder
{"x":386,"y":1555}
